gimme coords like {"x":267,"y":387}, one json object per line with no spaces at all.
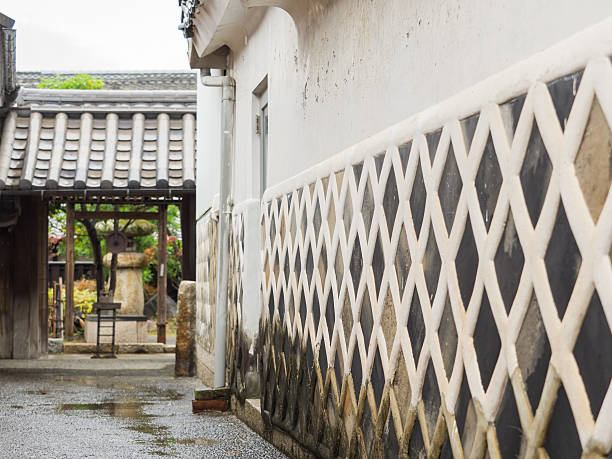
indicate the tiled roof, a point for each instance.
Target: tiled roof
{"x":153,"y":80}
{"x":99,"y":139}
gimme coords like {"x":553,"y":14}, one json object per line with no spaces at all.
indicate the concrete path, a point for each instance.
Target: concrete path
{"x":132,"y":406}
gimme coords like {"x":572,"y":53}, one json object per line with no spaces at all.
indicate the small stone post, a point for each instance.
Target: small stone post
{"x":185,"y":333}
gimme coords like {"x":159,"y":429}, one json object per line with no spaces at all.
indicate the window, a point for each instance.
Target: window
{"x":260,"y":138}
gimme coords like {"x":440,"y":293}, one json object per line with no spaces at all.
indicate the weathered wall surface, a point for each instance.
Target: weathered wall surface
{"x":23,"y":293}
{"x":206,"y":288}
{"x":244,"y":301}
{"x":441,"y":287}
{"x":244,"y":312}
{"x":346,"y":69}
{"x":444,"y":287}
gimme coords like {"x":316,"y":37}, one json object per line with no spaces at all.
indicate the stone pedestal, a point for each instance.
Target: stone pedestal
{"x":129,"y":291}
{"x":128,"y":329}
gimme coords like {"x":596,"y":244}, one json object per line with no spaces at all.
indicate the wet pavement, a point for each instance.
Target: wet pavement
{"x":132,"y":406}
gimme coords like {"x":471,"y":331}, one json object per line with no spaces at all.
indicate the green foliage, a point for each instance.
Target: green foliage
{"x":175,"y":255}
{"x":57,"y":235}
{"x":174,"y":221}
{"x":144,"y":244}
{"x":148,"y":246}
{"x":148,"y":277}
{"x":84,"y":296}
{"x":81,"y":81}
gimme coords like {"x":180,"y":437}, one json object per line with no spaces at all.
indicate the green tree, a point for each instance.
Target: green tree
{"x":89,"y":244}
{"x":81,"y":81}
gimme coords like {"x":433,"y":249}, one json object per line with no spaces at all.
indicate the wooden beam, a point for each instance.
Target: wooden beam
{"x":94,"y":197}
{"x":162,"y":273}
{"x":69,"y":316}
{"x":108,"y":215}
{"x":120,"y":201}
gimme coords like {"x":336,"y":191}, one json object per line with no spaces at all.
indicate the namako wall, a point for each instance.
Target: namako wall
{"x":443,"y":286}
{"x":434,"y":244}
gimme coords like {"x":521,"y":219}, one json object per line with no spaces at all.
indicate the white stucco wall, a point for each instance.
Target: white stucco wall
{"x":208,"y":146}
{"x":353,"y":68}
{"x":346,"y":71}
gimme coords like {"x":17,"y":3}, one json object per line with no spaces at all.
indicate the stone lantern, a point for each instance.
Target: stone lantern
{"x":131,"y":321}
{"x":128,"y":289}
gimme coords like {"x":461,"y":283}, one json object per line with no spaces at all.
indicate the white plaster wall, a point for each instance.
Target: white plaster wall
{"x":251,"y":278}
{"x":208,"y":146}
{"x":351,"y":69}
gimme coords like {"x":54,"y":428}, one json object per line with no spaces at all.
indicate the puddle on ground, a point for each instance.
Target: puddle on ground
{"x":128,"y":409}
{"x":131,"y":410}
{"x":137,"y":421}
{"x":199,"y":441}
{"x":167,"y":442}
{"x":148,"y":428}
{"x":146,"y":391}
{"x":165,"y":394}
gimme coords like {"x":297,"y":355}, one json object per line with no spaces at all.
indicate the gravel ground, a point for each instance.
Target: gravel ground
{"x":81,"y":408}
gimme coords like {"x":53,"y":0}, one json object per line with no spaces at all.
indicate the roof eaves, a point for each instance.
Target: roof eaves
{"x":30,"y":95}
{"x":6,"y":22}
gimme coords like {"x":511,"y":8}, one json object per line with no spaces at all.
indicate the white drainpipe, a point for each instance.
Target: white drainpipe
{"x":225,"y":214}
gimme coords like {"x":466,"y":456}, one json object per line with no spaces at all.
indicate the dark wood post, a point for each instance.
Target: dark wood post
{"x":162,"y":273}
{"x":69,"y":316}
{"x":43,"y":299}
{"x":112,"y":284}
{"x":188,"y":268}
{"x":7,"y":264}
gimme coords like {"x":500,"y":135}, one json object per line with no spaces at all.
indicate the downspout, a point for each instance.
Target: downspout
{"x":225,"y":214}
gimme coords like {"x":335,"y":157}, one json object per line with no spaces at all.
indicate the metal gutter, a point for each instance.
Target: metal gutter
{"x":225,"y":214}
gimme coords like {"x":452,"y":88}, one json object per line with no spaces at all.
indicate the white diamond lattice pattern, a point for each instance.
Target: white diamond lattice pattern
{"x":449,"y":292}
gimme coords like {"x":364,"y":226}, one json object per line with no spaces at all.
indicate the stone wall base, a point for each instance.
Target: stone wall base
{"x":205,"y":366}
{"x":250,"y":414}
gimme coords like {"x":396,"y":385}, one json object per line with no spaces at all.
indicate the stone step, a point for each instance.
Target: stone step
{"x":124,"y":348}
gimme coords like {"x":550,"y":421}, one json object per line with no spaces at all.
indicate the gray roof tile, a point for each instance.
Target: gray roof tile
{"x":99,"y":139}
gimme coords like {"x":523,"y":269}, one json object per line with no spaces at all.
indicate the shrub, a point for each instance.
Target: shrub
{"x":81,"y":81}
{"x":84,"y":296}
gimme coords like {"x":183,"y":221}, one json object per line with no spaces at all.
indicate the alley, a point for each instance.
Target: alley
{"x":73,"y":406}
